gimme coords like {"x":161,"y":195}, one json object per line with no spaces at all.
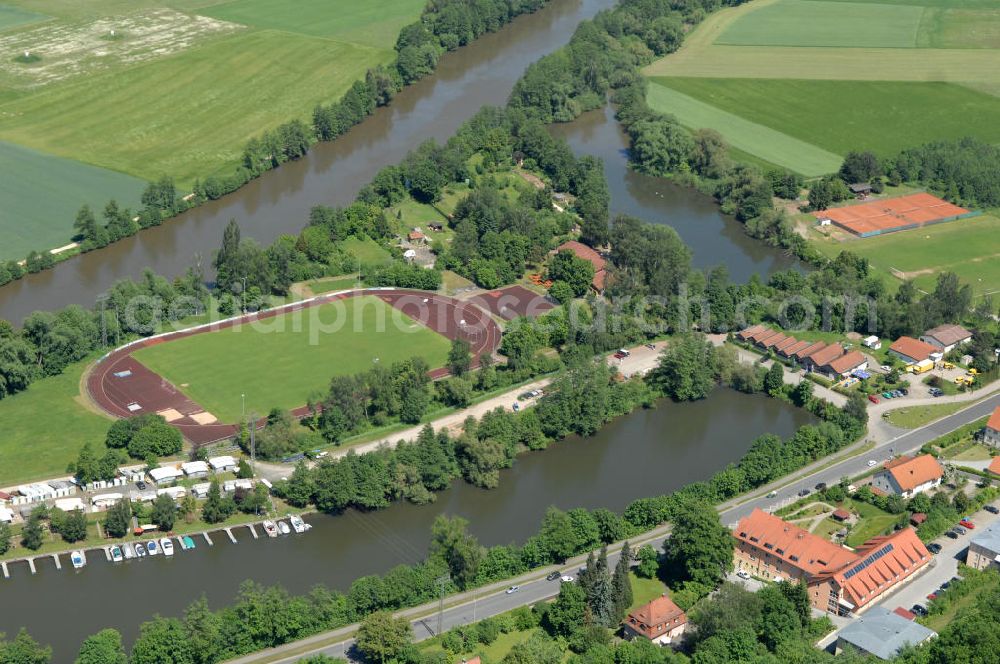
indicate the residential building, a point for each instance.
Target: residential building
{"x":789,"y":351}
{"x":165,"y":475}
{"x":946,"y":337}
{"x":810,"y":350}
{"x":195,"y":469}
{"x":747,"y":333}
{"x":994,"y":466}
{"x":991,"y":434}
{"x":840,"y":580}
{"x":882,"y":633}
{"x":872,"y":342}
{"x":984,"y":548}
{"x":822,"y":357}
{"x":588,"y":254}
{"x":912,"y":350}
{"x":222,"y":464}
{"x":6,"y":515}
{"x":661,"y":621}
{"x":844,"y":365}
{"x":907,"y":476}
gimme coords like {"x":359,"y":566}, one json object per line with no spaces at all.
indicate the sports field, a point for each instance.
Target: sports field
{"x":275,"y":363}
{"x":968,"y":247}
{"x":40,"y":195}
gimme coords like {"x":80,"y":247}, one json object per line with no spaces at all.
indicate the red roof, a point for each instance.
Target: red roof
{"x":746,"y":332}
{"x":994,"y":466}
{"x":825,"y":356}
{"x":903,"y":613}
{"x":775,"y":340}
{"x":787,"y":343}
{"x":913,"y":348}
{"x":656,"y":618}
{"x":416,"y":235}
{"x":788,"y":351}
{"x":911,"y":472}
{"x":841,"y":514}
{"x":880,"y":563}
{"x":588,"y":254}
{"x":918,"y":518}
{"x":994,"y":421}
{"x":848,"y":362}
{"x":810,"y":350}
{"x":797,"y":547}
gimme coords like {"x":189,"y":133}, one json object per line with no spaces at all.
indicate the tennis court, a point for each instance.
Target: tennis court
{"x":892,"y":214}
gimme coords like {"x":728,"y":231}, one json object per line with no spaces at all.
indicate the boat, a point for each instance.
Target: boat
{"x":188,"y":542}
{"x":298,"y":525}
{"x":140,"y":550}
{"x":283,"y":528}
{"x":78,"y":558}
{"x":152,"y":548}
{"x":167,"y":546}
{"x":116,"y":554}
{"x":270,"y":528}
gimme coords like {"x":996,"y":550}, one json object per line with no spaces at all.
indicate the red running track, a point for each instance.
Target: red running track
{"x":123,"y":387}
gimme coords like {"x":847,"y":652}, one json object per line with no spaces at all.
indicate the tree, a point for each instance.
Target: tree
{"x":383,"y":638}
{"x":155,"y":438}
{"x":699,"y":548}
{"x":74,"y":526}
{"x":118,"y":518}
{"x":684,"y":371}
{"x":860,"y":167}
{"x":216,"y":508}
{"x":453,"y":545}
{"x":535,"y":650}
{"x":164,"y":512}
{"x":774,"y":379}
{"x":86,"y":465}
{"x":24,"y":650}
{"x":459,"y":357}
{"x":565,"y":615}
{"x":244,"y":471}
{"x":621,"y":586}
{"x":569,"y":268}
{"x":162,"y":641}
{"x":5,"y":537}
{"x":31,"y":535}
{"x":105,"y":647}
{"x":649,"y":562}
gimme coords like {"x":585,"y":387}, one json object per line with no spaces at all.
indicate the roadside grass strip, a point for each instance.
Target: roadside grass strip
{"x":766,"y":143}
{"x":812,"y":23}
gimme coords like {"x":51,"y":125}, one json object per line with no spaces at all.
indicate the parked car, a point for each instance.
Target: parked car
{"x":965,"y":523}
{"x":959,"y":530}
{"x":821,"y":486}
{"x":952,"y":534}
{"x":512,"y":590}
{"x":904,"y":391}
{"x":743,"y":574}
{"x":918,"y":609}
{"x":872,"y":463}
{"x":803,"y":493}
{"x":773,"y":494}
{"x":566,"y":578}
{"x":553,"y":576}
{"x":992,"y":509}
{"x":944,"y":586}
{"x":934,"y":547}
{"x":932,"y":596}
{"x":873,"y":398}
{"x":140,"y":485}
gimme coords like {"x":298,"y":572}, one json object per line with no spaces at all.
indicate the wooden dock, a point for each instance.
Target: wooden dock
{"x":253,"y":531}
{"x":55,"y":557}
{"x":31,"y":564}
{"x":232,"y":538}
{"x":208,"y":539}
{"x":6,"y":572}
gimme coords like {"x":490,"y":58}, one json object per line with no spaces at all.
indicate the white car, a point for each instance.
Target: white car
{"x":743,"y":574}
{"x":772,"y":494}
{"x":512,"y":590}
{"x":566,"y":578}
{"x":872,"y":463}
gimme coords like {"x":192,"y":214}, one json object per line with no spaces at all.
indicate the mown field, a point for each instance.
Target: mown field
{"x":884,"y":116}
{"x":45,"y":426}
{"x":40,"y":195}
{"x":969,"y":247}
{"x":12,"y":17}
{"x":283,"y":360}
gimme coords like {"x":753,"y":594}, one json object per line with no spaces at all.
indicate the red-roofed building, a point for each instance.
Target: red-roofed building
{"x":841,"y":514}
{"x":917,"y":518}
{"x":840,"y":580}
{"x":810,"y":350}
{"x":907,"y":476}
{"x":994,"y":466}
{"x":822,"y":357}
{"x":775,"y":340}
{"x":790,"y":351}
{"x":661,"y":621}
{"x":588,"y":254}
{"x":844,"y":365}
{"x":912,"y":350}
{"x":903,"y":613}
{"x":991,"y":434}
{"x":747,"y":333}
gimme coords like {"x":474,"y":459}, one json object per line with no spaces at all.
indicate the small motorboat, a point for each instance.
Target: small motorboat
{"x":270,"y":528}
{"x":116,"y":554}
{"x":140,"y":550}
{"x":284,"y":528}
{"x":188,"y":542}
{"x":78,"y":558}
{"x":128,"y":551}
{"x":152,"y":548}
{"x":167,"y":546}
{"x":298,"y":525}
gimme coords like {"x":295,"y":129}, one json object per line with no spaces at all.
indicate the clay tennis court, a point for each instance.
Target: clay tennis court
{"x":892,"y":214}
{"x":513,"y":302}
{"x":123,"y":387}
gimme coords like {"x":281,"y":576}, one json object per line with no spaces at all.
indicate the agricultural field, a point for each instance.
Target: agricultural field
{"x":171,"y":87}
{"x":303,"y":350}
{"x":968,"y":247}
{"x":41,"y":194}
{"x":838,"y":75}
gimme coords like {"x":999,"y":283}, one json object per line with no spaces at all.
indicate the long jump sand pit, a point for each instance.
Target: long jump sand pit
{"x":123,"y":385}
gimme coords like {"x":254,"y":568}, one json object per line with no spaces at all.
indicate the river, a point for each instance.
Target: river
{"x":279,"y":201}
{"x":646,"y":453}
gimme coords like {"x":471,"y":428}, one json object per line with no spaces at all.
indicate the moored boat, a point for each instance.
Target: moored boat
{"x":151,"y":547}
{"x":298,"y":525}
{"x":270,"y":528}
{"x":188,"y":542}
{"x":78,"y":558}
{"x":140,"y":550}
{"x":116,"y":554}
{"x":283,"y":528}
{"x":167,"y":546}
{"x":128,"y":551}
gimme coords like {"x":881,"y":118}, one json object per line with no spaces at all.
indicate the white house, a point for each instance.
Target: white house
{"x":70,"y":504}
{"x":195,"y":469}
{"x":175,"y":492}
{"x":36,"y":492}
{"x":6,"y":515}
{"x":872,"y":342}
{"x":946,"y":337}
{"x":106,"y":500}
{"x":907,"y":476}
{"x":912,"y":351}
{"x":991,"y":434}
{"x":165,"y":474}
{"x":200,"y":490}
{"x":222,"y":464}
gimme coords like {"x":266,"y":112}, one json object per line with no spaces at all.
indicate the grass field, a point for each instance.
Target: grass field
{"x":274,"y":362}
{"x":970,"y":248}
{"x":814,"y":23}
{"x":188,"y":124}
{"x":40,"y":195}
{"x":768,"y":144}
{"x":883,"y":116}
{"x":12,"y":17}
{"x":375,"y":24}
{"x":367,"y":251}
{"x":45,"y":427}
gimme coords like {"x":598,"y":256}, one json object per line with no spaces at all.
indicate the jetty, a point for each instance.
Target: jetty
{"x":55,"y":557}
{"x":232,"y":538}
{"x":31,"y":564}
{"x":253,"y":531}
{"x":208,"y":539}
{"x":6,"y":572}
